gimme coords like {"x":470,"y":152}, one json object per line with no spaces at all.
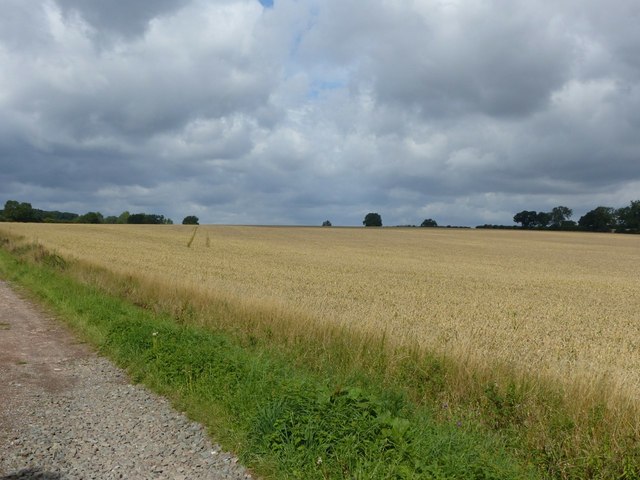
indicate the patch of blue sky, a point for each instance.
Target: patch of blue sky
{"x":319,"y":87}
{"x":266,"y":3}
{"x":299,"y":34}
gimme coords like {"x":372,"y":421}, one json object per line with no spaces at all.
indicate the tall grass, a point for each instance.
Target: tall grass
{"x":572,"y":423}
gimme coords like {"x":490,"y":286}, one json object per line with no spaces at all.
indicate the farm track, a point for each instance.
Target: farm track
{"x":66,"y":413}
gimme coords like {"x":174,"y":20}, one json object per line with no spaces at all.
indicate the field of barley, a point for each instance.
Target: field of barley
{"x":561,"y":305}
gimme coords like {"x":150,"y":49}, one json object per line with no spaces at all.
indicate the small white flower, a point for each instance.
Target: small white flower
{"x":155,"y":334}
{"x":319,"y":461}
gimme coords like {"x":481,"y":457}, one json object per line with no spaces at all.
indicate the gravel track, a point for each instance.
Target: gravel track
{"x":66,"y":413}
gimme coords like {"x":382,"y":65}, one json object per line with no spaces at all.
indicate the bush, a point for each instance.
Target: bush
{"x":372,"y":220}
{"x":429,"y":223}
{"x":191,"y":220}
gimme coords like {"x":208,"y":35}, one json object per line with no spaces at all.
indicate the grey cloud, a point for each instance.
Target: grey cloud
{"x":314,"y":110}
{"x":498,"y":58}
{"x":613,"y":27}
{"x":90,"y":114}
{"x":123,"y":17}
{"x":22,"y":26}
{"x":148,"y":84}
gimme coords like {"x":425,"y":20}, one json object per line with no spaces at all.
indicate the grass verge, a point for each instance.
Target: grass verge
{"x":332,"y":406}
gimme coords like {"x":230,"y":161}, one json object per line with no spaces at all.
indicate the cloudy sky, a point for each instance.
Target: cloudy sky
{"x":298,"y":111}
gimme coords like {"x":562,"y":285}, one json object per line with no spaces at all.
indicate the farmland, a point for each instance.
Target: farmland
{"x":552,"y":319}
{"x":560,"y":304}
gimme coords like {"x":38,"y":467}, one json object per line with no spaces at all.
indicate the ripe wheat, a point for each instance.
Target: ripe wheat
{"x":560,"y":305}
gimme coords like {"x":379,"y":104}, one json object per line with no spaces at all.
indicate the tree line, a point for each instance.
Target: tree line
{"x":15,"y":211}
{"x":600,"y":219}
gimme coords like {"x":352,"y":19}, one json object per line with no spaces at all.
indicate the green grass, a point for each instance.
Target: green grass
{"x":284,"y":420}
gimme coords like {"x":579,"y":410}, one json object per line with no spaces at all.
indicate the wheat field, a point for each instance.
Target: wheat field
{"x":558,"y":304}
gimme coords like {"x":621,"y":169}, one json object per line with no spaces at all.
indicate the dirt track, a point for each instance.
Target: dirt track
{"x":36,"y":353}
{"x":66,"y":413}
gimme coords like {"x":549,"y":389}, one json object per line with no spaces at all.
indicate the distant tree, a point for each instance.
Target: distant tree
{"x":136,"y":218}
{"x":10,"y":211}
{"x":629,"y":217}
{"x":90,"y":217}
{"x":569,"y":225}
{"x":527,"y":218}
{"x":600,"y":219}
{"x":123,"y":217}
{"x":326,"y":223}
{"x":56,"y":216}
{"x":497,"y":227}
{"x":372,"y":220}
{"x":542,"y":219}
{"x":190,"y":220}
{"x":111,"y":219}
{"x":429,"y":223}
{"x":559,"y":215}
{"x":148,"y":219}
{"x":19,"y":212}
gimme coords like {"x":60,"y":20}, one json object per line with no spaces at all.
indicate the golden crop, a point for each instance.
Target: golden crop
{"x":565,"y":305}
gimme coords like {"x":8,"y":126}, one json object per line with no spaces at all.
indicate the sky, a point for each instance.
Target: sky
{"x":299,"y":111}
